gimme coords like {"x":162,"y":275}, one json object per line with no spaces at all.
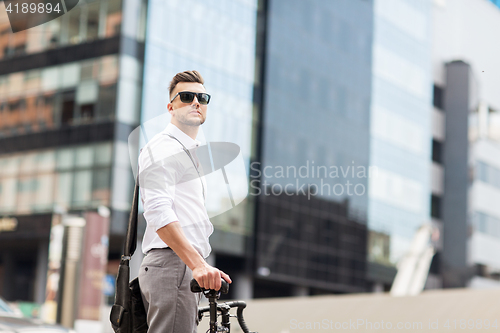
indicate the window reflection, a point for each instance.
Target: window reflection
{"x":46,"y":161}
{"x":86,"y":113}
{"x":17,"y":43}
{"x":106,"y":102}
{"x":101,"y":186}
{"x":51,"y":33}
{"x":76,"y":93}
{"x":64,"y":183}
{"x":114,"y":18}
{"x":82,"y":188}
{"x":32,"y":81}
{"x":84,"y":157}
{"x":68,"y":108}
{"x":28,"y":163}
{"x":5,"y":34}
{"x":92,"y":21}
{"x":8,"y":194}
{"x":108,"y":71}
{"x":3,"y":86}
{"x":88,"y":21}
{"x":74,"y":177}
{"x":44,"y":192}
{"x":11,"y":166}
{"x":65,"y":159}
{"x":15,"y":84}
{"x":26,"y":188}
{"x":73,"y":29}
{"x":89,"y":69}
{"x":103,"y":154}
{"x":45,"y":111}
{"x":35,"y":41}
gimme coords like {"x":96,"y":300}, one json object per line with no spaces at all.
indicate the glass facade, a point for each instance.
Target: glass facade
{"x":314,"y":172}
{"x":69,"y":95}
{"x":317,"y":98}
{"x":89,"y":20}
{"x":400,"y":126}
{"x":76,"y":93}
{"x":217,"y":38}
{"x":74,"y":178}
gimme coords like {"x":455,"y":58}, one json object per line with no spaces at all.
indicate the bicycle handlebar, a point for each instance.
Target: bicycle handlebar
{"x":195,"y":287}
{"x":223,"y":308}
{"x":239,"y":312}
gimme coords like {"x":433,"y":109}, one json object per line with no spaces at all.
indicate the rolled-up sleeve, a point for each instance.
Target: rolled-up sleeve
{"x":157,"y":179}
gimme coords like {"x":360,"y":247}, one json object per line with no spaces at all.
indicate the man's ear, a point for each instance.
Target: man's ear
{"x":170,"y":108}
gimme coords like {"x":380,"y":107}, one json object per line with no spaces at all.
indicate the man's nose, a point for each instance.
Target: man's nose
{"x":195,"y":101}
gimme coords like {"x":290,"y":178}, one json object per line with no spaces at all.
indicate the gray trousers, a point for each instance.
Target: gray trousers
{"x":170,"y":305}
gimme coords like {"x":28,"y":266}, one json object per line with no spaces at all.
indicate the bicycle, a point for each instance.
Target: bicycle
{"x":214,"y":309}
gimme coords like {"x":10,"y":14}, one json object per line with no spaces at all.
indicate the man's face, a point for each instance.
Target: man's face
{"x":191,"y":114}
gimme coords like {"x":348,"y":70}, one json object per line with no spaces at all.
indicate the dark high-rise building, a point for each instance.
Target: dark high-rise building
{"x":311,"y":223}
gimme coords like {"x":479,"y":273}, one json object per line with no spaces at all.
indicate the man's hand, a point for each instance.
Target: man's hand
{"x":208,"y":277}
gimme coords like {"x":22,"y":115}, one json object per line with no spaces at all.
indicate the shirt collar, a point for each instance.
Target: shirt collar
{"x":181,"y":136}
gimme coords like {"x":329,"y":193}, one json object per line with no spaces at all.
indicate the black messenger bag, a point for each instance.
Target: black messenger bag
{"x":128,"y":314}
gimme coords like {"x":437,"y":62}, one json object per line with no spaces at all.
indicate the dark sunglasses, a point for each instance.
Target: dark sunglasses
{"x":188,"y":96}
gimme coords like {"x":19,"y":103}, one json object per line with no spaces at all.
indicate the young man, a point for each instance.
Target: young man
{"x":173,"y":195}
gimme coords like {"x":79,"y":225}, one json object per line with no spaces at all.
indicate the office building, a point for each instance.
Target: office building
{"x":400,"y":137}
{"x":311,"y":223}
{"x":466,"y":143}
{"x":69,"y":95}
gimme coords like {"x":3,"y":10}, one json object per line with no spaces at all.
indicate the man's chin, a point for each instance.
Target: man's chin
{"x":193,"y":122}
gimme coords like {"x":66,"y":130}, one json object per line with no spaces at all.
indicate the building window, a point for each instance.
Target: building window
{"x":89,"y":20}
{"x":438,"y":97}
{"x":436,"y":206}
{"x":488,"y":174}
{"x":73,"y":29}
{"x":87,"y":113}
{"x":486,"y":224}
{"x":68,"y":107}
{"x":75,"y":177}
{"x":72,"y":94}
{"x":437,"y":152}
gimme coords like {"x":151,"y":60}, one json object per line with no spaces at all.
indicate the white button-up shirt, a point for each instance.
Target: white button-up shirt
{"x":171,"y":190}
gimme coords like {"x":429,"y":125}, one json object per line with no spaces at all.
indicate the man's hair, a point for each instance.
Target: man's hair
{"x":186,"y":76}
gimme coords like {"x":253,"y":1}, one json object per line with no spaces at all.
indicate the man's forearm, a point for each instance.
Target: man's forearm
{"x":208,"y":277}
{"x":173,"y":235}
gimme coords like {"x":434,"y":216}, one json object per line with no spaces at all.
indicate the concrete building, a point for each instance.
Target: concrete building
{"x":466,"y":148}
